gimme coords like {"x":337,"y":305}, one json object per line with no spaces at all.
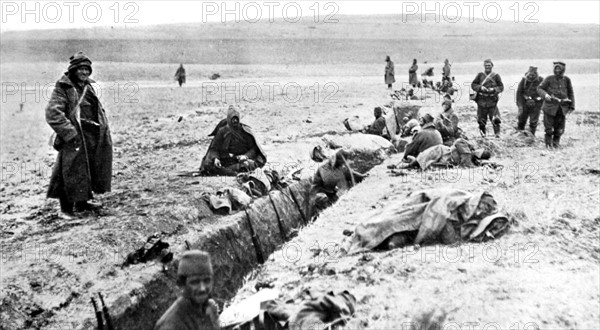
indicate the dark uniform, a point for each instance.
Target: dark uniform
{"x":84,"y":144}
{"x":559,"y":100}
{"x":229,"y":144}
{"x":487,"y":89}
{"x":529,"y":101}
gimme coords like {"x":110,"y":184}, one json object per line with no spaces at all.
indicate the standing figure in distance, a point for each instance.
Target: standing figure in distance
{"x":389,"y":72}
{"x":83,"y":140}
{"x":412,"y":74}
{"x":559,"y":101}
{"x":180,"y":75}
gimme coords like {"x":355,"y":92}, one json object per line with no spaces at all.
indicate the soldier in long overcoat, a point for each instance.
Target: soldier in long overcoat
{"x":83,"y":140}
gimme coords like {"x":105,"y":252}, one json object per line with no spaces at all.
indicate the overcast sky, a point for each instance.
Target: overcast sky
{"x":20,"y":15}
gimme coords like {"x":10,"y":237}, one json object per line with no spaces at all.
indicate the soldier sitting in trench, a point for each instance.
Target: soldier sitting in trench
{"x":333,"y":177}
{"x":447,"y":123}
{"x":233,"y":150}
{"x":194,"y":309}
{"x":378,"y":126}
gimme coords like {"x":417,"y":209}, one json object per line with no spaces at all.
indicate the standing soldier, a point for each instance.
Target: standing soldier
{"x":180,"y":75}
{"x":528,"y":100}
{"x":194,"y":310}
{"x":83,"y":141}
{"x":412,"y":74}
{"x":559,"y":101}
{"x":446,"y":71}
{"x":488,"y":85}
{"x":389,"y":72}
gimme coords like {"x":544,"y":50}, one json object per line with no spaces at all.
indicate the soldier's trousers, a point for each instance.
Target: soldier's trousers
{"x":483,"y":113}
{"x":554,"y":127}
{"x":531,"y":113}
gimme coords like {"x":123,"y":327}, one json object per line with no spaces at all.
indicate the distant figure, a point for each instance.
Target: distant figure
{"x":193,"y":309}
{"x":488,"y":85}
{"x":83,"y":140}
{"x":389,"y":72}
{"x":529,"y":102}
{"x":377,"y":127}
{"x":233,"y":150}
{"x":559,"y":101}
{"x":446,"y":71}
{"x":180,"y":75}
{"x":412,"y":74}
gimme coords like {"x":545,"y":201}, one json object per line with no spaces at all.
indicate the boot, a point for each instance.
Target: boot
{"x":548,"y":140}
{"x":556,"y":141}
{"x":532,"y":130}
{"x":482,"y":131}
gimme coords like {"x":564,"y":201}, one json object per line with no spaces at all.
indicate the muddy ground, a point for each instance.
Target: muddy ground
{"x":50,"y":267}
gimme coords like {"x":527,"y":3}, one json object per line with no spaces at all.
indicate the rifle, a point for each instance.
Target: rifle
{"x":109,"y":325}
{"x":98,"y":315}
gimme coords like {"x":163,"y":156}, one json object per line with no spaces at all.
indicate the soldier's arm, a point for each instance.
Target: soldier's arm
{"x":542,"y":88}
{"x":56,"y":116}
{"x":476,"y":84}
{"x":252,"y":153}
{"x":520,"y":92}
{"x":570,"y":94}
{"x":413,"y":146}
{"x":499,"y":85}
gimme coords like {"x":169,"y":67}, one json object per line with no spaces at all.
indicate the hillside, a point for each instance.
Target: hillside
{"x":354,"y":39}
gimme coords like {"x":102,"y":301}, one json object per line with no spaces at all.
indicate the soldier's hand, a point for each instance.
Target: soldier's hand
{"x":218,"y":163}
{"x":75,"y":143}
{"x":548,"y":97}
{"x":212,"y":310}
{"x":483,"y":89}
{"x":242,"y":158}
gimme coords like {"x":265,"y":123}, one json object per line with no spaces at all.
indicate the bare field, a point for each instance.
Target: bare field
{"x":558,"y":212}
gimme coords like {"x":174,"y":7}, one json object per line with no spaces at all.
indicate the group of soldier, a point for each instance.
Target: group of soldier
{"x":84,"y":162}
{"x":552,"y":95}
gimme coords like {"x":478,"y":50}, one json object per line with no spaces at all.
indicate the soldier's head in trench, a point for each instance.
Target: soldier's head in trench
{"x":195,"y":276}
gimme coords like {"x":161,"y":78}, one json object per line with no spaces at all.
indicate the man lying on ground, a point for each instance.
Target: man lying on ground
{"x":233,"y":150}
{"x":462,"y":153}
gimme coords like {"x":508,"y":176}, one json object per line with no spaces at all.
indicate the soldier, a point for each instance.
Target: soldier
{"x":427,"y":137}
{"x":446,"y":71}
{"x":378,"y":126}
{"x":83,"y":140}
{"x":180,"y":75}
{"x":333,"y":177}
{"x":233,"y":150}
{"x":488,"y":85}
{"x":389,"y":72}
{"x":559,"y":101}
{"x":528,"y":100}
{"x":194,"y":310}
{"x":447,"y":123}
{"x":412,"y":75}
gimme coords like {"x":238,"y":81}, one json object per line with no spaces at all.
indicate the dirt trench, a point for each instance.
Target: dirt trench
{"x":238,"y":245}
